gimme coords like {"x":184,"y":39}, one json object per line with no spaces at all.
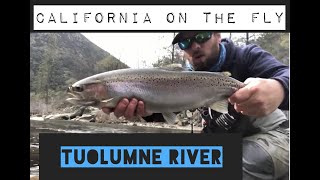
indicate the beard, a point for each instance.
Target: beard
{"x":206,"y":64}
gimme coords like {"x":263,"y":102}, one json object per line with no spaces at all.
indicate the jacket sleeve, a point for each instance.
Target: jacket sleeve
{"x":261,"y":63}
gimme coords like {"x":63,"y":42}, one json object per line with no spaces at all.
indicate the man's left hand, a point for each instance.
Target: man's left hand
{"x":259,"y":97}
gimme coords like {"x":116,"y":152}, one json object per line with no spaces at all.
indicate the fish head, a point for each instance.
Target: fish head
{"x":87,"y":92}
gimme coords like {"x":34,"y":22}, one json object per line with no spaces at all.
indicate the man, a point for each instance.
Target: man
{"x":254,"y":110}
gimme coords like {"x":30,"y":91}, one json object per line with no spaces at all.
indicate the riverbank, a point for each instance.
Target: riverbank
{"x":39,"y":125}
{"x":185,"y":120}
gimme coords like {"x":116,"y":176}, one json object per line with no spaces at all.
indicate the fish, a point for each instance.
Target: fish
{"x":162,"y":90}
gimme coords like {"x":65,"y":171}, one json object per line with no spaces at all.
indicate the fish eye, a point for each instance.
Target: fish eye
{"x":77,"y":88}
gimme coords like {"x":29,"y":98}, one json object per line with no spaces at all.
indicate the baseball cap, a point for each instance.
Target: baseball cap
{"x":177,"y":38}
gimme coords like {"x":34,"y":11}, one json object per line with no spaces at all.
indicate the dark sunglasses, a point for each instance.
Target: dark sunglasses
{"x":199,"y":38}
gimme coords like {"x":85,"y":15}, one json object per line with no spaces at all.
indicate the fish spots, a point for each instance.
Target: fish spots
{"x":177,"y":80}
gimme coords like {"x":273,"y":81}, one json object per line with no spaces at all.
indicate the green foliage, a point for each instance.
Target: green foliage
{"x":275,"y":43}
{"x":50,"y":74}
{"x":71,"y":81}
{"x":108,"y":64}
{"x":58,"y":60}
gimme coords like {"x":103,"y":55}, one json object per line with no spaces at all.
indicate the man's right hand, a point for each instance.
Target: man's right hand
{"x":127,"y":108}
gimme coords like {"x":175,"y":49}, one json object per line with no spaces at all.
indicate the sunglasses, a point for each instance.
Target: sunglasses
{"x":199,"y":38}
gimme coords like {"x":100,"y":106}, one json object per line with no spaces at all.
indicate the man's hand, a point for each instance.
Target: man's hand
{"x":258,"y":98}
{"x":127,"y":109}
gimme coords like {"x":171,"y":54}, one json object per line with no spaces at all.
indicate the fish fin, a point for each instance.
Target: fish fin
{"x":220,"y":106}
{"x":76,"y":101}
{"x":169,"y":117}
{"x":110,"y":103}
{"x":226,"y":73}
{"x":72,"y":100}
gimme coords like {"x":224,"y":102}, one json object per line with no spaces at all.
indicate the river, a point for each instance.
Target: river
{"x":62,"y":126}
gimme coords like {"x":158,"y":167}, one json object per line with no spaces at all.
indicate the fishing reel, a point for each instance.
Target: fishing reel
{"x":217,"y":121}
{"x":230,"y":122}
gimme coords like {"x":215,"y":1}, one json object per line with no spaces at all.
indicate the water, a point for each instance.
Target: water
{"x":62,"y":126}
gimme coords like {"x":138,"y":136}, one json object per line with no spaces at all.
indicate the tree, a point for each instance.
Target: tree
{"x":50,"y":75}
{"x":108,"y":64}
{"x":275,"y":43}
{"x":245,"y":39}
{"x":43,"y":78}
{"x":172,"y":52}
{"x":173,"y":56}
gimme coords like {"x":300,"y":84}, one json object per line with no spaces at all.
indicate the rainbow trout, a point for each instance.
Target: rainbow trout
{"x":162,"y":90}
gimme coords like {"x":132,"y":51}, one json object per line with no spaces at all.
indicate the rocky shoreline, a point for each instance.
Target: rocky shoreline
{"x":93,"y":117}
{"x":185,"y":121}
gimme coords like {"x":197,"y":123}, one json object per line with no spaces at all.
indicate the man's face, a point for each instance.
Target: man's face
{"x":202,"y":55}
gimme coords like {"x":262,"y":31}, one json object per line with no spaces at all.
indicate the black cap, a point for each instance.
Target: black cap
{"x":177,"y":38}
{"x":180,"y":35}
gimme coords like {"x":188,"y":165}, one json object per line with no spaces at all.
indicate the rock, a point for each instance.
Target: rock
{"x":78,"y":112}
{"x":64,"y":116}
{"x":85,"y":117}
{"x":134,"y":119}
{"x":91,"y":110}
{"x":183,"y":122}
{"x":34,"y":156}
{"x":71,"y":109}
{"x":102,"y":117}
{"x":36,"y":118}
